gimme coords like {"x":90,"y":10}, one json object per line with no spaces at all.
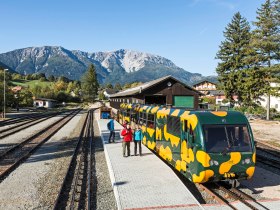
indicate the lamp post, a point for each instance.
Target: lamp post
{"x":4,"y":110}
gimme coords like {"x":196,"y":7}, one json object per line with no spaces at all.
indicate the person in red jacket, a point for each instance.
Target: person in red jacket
{"x":127,"y":138}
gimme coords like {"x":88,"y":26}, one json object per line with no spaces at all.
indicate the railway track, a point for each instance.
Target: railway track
{"x":23,"y":125}
{"x":76,"y":190}
{"x":12,"y":157}
{"x":23,"y":118}
{"x":224,"y":196}
{"x":268,"y":155}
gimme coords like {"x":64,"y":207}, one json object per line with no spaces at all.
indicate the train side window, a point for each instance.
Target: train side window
{"x":173,"y":125}
{"x":186,"y":126}
{"x":191,"y":134}
{"x":151,"y":120}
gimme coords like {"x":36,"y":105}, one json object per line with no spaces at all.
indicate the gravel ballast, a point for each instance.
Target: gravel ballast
{"x":26,"y":133}
{"x":36,"y":182}
{"x":104,"y":196}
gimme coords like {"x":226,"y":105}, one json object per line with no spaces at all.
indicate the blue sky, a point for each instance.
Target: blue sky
{"x":188,"y":32}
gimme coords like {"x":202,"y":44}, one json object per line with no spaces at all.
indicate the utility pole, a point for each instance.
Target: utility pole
{"x":4,"y":108}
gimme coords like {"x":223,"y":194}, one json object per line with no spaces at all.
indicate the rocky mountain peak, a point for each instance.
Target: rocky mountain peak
{"x":121,"y":65}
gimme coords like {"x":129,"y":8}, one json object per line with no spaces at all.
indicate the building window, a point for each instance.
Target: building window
{"x":276,"y":106}
{"x":184,"y":101}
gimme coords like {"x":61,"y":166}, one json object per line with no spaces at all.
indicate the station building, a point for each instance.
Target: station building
{"x":166,"y":91}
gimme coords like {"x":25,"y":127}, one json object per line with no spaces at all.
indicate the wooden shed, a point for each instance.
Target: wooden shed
{"x":166,"y":91}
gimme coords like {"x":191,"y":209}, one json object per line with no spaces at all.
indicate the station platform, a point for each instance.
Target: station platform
{"x":143,"y":182}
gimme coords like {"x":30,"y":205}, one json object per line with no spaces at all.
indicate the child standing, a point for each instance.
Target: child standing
{"x":138,"y":136}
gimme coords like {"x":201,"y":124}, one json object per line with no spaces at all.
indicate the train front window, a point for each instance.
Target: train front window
{"x":227,"y":138}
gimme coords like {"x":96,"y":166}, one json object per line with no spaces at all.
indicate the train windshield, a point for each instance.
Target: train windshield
{"x":227,"y":138}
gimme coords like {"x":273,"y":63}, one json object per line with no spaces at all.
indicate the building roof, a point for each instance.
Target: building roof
{"x":147,"y":85}
{"x":216,"y":92}
{"x":16,"y":89}
{"x":45,"y":99}
{"x":110,"y":91}
{"x":203,"y":82}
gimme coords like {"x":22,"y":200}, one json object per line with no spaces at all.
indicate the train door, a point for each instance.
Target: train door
{"x":187,"y":142}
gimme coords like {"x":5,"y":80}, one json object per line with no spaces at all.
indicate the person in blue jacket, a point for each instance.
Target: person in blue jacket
{"x":111,"y":128}
{"x":138,"y":136}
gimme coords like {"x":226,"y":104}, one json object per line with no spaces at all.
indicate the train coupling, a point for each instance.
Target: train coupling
{"x":234,"y":183}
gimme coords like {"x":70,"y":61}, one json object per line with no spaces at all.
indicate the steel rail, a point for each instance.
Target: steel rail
{"x":14,"y":156}
{"x":23,"y":126}
{"x":268,"y":161}
{"x":80,"y":170}
{"x":61,"y":202}
{"x":236,"y":196}
{"x":221,"y":200}
{"x":21,"y":119}
{"x":247,"y":197}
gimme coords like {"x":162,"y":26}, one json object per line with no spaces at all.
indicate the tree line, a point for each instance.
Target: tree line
{"x":249,"y":56}
{"x":60,"y":88}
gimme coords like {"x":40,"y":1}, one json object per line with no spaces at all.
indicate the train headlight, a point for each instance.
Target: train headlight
{"x":247,"y":161}
{"x":213,"y":162}
{"x":216,"y":162}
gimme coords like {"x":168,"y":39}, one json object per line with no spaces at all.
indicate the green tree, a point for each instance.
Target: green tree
{"x":51,"y":78}
{"x":25,"y":98}
{"x":239,"y":71}
{"x":101,"y":95}
{"x":118,"y":86}
{"x":266,"y":42}
{"x":236,"y":71}
{"x":90,"y":84}
{"x":109,"y":86}
{"x":9,"y":97}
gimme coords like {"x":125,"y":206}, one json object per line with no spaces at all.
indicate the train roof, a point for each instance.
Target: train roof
{"x":205,"y":117}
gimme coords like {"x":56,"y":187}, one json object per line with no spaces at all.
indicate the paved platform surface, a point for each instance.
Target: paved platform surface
{"x":143,"y":182}
{"x":146,"y":182}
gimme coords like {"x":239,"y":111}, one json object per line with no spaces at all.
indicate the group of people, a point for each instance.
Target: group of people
{"x":128,"y":135}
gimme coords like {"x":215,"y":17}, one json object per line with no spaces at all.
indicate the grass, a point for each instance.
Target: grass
{"x":31,"y":83}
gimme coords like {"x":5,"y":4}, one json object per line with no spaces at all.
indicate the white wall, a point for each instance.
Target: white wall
{"x":274,"y":101}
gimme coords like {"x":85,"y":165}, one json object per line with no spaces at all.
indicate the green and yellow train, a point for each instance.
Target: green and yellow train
{"x":205,"y":146}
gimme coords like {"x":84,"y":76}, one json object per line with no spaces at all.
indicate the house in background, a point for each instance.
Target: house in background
{"x":16,"y":89}
{"x":44,"y":102}
{"x":205,"y":86}
{"x":166,"y":91}
{"x":209,"y":89}
{"x":274,"y":100}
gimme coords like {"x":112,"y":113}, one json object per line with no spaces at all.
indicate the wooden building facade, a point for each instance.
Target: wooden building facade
{"x":166,"y":91}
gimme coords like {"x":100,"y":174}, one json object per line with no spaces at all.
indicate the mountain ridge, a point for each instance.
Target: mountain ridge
{"x":121,"y":65}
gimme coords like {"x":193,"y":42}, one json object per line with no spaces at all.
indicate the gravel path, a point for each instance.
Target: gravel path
{"x":266,"y":130}
{"x":35,"y":183}
{"x":104,"y":196}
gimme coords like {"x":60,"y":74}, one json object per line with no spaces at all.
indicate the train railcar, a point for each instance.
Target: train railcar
{"x":205,"y":146}
{"x":105,"y":112}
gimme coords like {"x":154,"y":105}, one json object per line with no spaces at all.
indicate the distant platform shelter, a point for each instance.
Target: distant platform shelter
{"x":166,"y":91}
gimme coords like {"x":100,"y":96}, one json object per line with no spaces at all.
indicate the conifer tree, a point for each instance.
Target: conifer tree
{"x":236,"y":73}
{"x":266,"y":42}
{"x":90,"y":84}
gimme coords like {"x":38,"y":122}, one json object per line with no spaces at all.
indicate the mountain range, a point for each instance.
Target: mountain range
{"x":121,"y":66}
